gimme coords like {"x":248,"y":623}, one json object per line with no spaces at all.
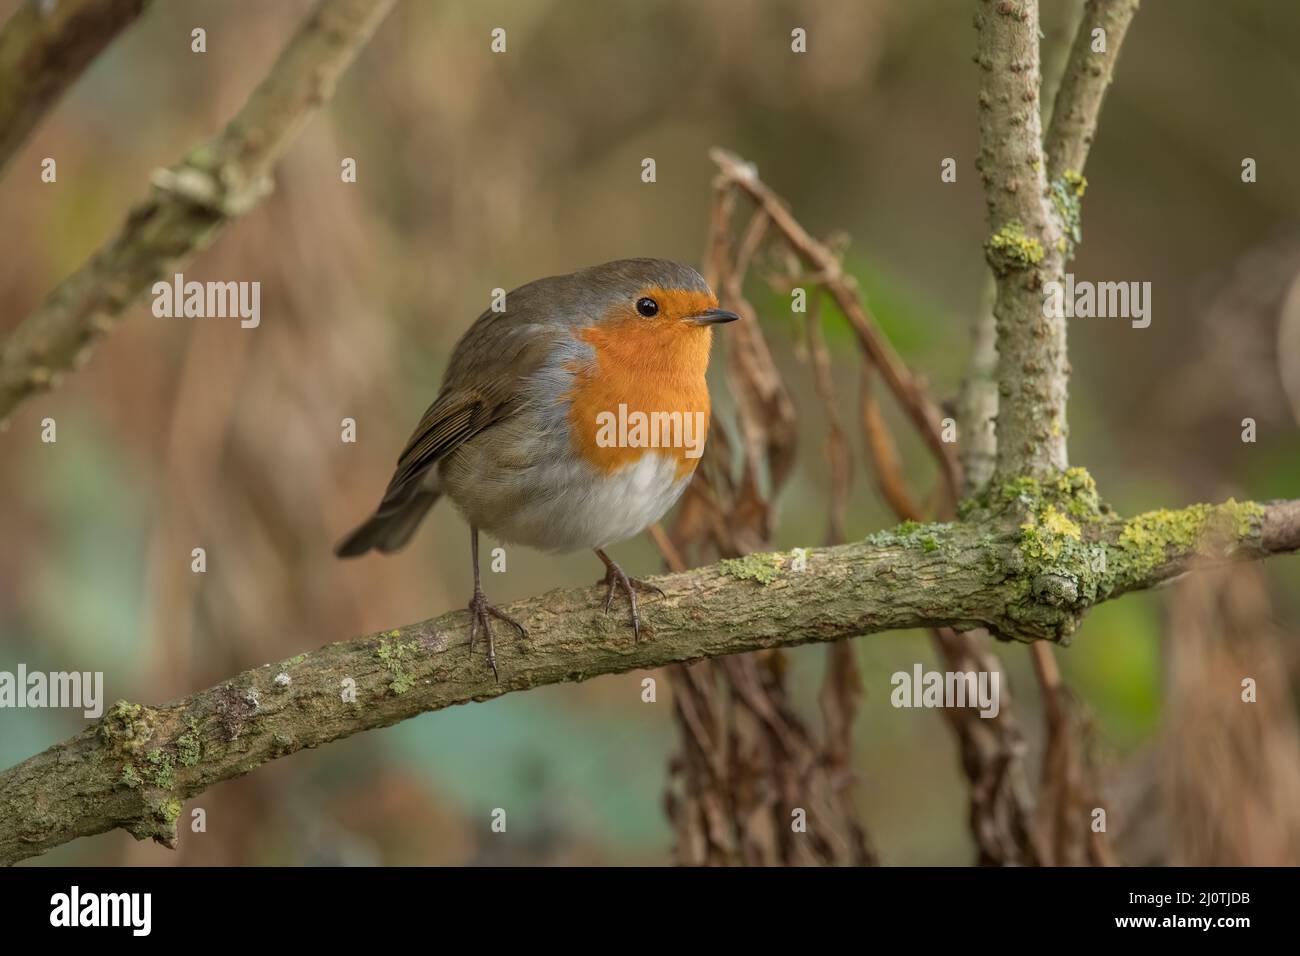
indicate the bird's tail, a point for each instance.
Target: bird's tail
{"x":390,"y":527}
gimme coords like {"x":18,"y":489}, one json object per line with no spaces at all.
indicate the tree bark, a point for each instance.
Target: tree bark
{"x":133,"y":768}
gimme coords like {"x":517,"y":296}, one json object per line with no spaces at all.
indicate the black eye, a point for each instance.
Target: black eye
{"x":647,"y":306}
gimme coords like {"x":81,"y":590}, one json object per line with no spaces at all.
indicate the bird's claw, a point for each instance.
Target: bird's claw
{"x":615,"y":578}
{"x":480,"y":614}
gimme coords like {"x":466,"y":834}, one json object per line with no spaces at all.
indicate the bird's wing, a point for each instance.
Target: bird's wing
{"x":483,"y":386}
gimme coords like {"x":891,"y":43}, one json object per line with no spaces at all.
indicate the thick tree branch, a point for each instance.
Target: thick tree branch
{"x":133,"y":768}
{"x":44,"y":47}
{"x":1084,"y":83}
{"x":190,"y":202}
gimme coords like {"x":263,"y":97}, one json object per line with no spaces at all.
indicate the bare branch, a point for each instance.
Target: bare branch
{"x":44,"y":47}
{"x":1083,"y":85}
{"x":977,"y":401}
{"x":190,"y":202}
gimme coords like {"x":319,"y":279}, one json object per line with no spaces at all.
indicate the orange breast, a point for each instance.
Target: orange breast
{"x":645,"y":393}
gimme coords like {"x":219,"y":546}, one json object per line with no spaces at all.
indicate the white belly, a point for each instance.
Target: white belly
{"x":572,"y":507}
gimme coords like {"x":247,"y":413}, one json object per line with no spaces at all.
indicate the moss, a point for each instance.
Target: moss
{"x":763,"y":568}
{"x":1058,"y":557}
{"x":1051,"y":543}
{"x":1079,"y":490}
{"x":160,"y":768}
{"x":929,"y":544}
{"x":1010,"y":249}
{"x":401,"y":683}
{"x":126,"y":725}
{"x":131,"y":778}
{"x":189,"y":748}
{"x":1073,"y":491}
{"x":1059,"y":525}
{"x":169,"y":811}
{"x":396,"y":654}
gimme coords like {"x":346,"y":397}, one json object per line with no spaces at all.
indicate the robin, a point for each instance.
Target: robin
{"x":573,"y":418}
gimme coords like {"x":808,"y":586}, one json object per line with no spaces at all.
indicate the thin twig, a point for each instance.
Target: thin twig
{"x":905,"y":388}
{"x":191,"y":202}
{"x":44,"y":47}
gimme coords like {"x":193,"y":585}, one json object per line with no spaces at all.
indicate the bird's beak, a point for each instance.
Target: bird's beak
{"x":714,"y":317}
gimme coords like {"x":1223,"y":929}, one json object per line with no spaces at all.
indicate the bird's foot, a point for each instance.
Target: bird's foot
{"x":480,"y":615}
{"x":615,"y":578}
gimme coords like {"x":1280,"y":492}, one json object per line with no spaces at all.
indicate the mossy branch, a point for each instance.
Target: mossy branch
{"x":190,"y":202}
{"x":132,"y":769}
{"x":44,"y":47}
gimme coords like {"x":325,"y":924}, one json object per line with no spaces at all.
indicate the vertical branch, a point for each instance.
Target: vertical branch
{"x":1087,"y":76}
{"x":1032,"y":197}
{"x":1026,"y":246}
{"x":977,"y":402}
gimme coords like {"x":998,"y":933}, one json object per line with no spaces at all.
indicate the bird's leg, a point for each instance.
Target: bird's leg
{"x":614,"y":577}
{"x":480,"y":612}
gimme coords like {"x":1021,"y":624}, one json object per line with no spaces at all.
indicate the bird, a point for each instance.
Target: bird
{"x":571,"y":416}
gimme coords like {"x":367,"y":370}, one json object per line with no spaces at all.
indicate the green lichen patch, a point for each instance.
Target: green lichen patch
{"x":911,"y":534}
{"x":159,"y":769}
{"x":169,"y":811}
{"x":131,"y":778}
{"x":1010,"y":249}
{"x":1077,"y":489}
{"x":189,"y":748}
{"x":1151,"y":539}
{"x":1046,"y":536}
{"x":763,"y":568}
{"x":1073,"y":492}
{"x":397,"y":656}
{"x":1059,"y":559}
{"x":1066,"y":193}
{"x":127,"y":726}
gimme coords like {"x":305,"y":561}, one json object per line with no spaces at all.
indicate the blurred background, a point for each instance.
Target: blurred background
{"x":477,"y":171}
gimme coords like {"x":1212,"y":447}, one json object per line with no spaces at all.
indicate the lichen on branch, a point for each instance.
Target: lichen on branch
{"x":133,"y":769}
